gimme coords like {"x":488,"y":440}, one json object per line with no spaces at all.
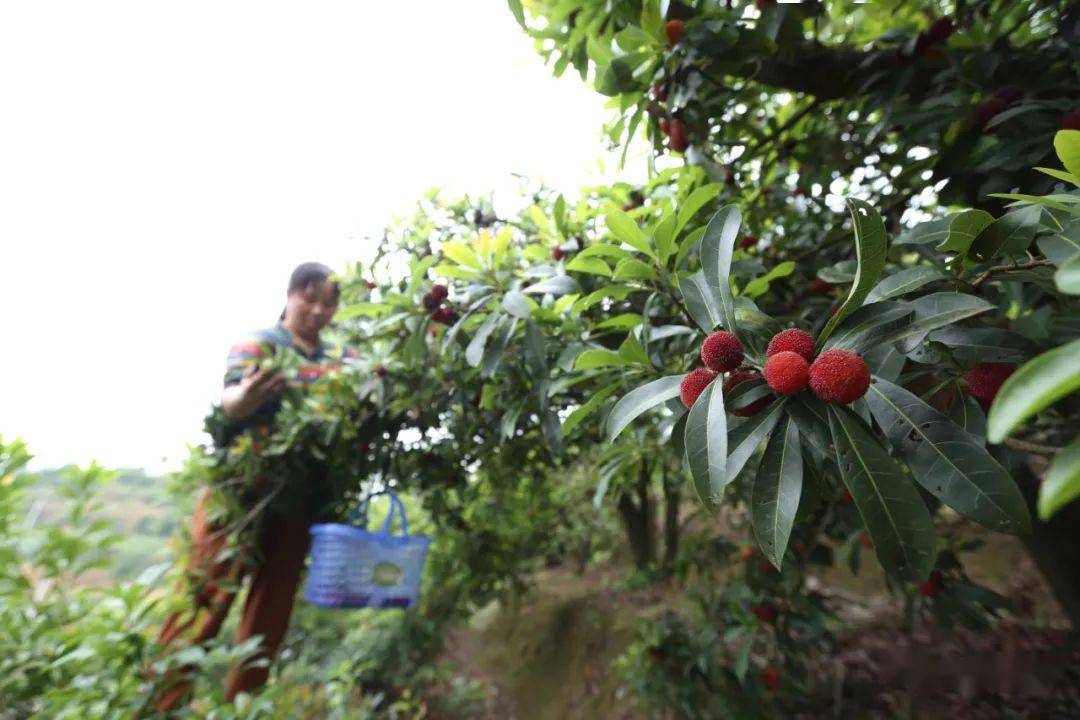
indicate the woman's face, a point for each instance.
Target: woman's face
{"x":311,"y":309}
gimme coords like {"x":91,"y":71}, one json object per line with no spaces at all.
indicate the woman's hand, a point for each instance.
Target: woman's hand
{"x":256,"y":387}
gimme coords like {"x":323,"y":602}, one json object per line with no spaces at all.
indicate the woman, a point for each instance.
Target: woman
{"x":251,"y":398}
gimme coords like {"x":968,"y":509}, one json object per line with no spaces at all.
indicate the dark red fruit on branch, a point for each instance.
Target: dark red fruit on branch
{"x":665,"y":126}
{"x":430,"y":302}
{"x":771,"y":678}
{"x":846,"y":496}
{"x":866,"y":542}
{"x":694,"y":384}
{"x":370,"y":285}
{"x":557,"y":253}
{"x":444,"y":315}
{"x":677,"y":140}
{"x":819,"y":286}
{"x":940,"y":31}
{"x":753,"y":408}
{"x":765,"y":612}
{"x":1071,"y":121}
{"x":838,"y":376}
{"x":440,"y":292}
{"x":763,"y":5}
{"x":675,"y":30}
{"x":987,"y":110}
{"x":380,"y":371}
{"x":984,"y":380}
{"x":932,"y":586}
{"x":786,"y":372}
{"x":722,"y":351}
{"x":793,"y":340}
{"x":747,"y":241}
{"x":659,"y":92}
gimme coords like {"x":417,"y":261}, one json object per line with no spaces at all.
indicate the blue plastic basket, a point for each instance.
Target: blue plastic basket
{"x":354,"y":568}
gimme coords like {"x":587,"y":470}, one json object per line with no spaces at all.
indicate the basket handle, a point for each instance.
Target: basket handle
{"x":360,"y":512}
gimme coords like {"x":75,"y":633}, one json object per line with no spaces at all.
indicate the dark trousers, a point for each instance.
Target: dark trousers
{"x":267,"y":608}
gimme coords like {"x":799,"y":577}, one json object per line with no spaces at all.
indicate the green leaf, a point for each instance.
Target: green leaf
{"x":664,"y":237}
{"x":419,"y":271}
{"x":903,"y":282}
{"x":1067,"y":145}
{"x":1010,"y":234}
{"x":474,"y":353}
{"x":461,"y":253}
{"x":1060,"y":175}
{"x":963,"y":229}
{"x":1035,"y":385}
{"x":616,"y":292}
{"x":700,"y":301}
{"x":580,"y":413}
{"x":639,"y":400}
{"x":494,"y":350}
{"x":952,"y":465}
{"x":1062,"y":482}
{"x":632,"y":350}
{"x":936,"y":311}
{"x":519,"y":13}
{"x":604,"y":250}
{"x":865,"y":327}
{"x":591,"y":265}
{"x":759,"y":286}
{"x":624,"y":321}
{"x":717,"y":246}
{"x":892,"y":510}
{"x":591,"y":359}
{"x":774,"y":499}
{"x":1067,"y":277}
{"x":925,"y":233}
{"x":556,"y":285}
{"x":706,"y":445}
{"x":623,"y":227}
{"x":517,"y":304}
{"x":694,"y":202}
{"x":633,"y":269}
{"x":456,"y":271}
{"x":871,"y":244}
{"x":747,"y":436}
{"x":975,"y":345}
{"x":652,"y":21}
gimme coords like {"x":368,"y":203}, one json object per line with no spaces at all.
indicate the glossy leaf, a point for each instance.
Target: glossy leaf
{"x":1062,"y":482}
{"x":871,"y":244}
{"x":747,"y":436}
{"x":952,"y":465}
{"x":517,"y":304}
{"x":865,"y":327}
{"x":626,"y":230}
{"x":639,"y":400}
{"x":1067,"y":277}
{"x":694,"y":202}
{"x":717,"y":246}
{"x":1067,"y":145}
{"x":964,"y":227}
{"x":582,"y":411}
{"x":903,"y":282}
{"x":590,"y":265}
{"x":705,"y":440}
{"x":700,"y":302}
{"x":1034,"y":386}
{"x":774,"y":499}
{"x":892,"y":510}
{"x":936,"y":311}
{"x":557,"y":285}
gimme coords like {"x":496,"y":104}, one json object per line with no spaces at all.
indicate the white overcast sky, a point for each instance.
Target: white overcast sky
{"x":164,"y":166}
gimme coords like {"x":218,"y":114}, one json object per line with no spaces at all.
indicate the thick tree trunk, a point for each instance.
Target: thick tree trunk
{"x":671,"y":522}
{"x":638,"y":519}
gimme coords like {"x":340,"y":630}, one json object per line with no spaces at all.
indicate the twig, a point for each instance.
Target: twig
{"x":999,"y":269}
{"x":1031,"y":447}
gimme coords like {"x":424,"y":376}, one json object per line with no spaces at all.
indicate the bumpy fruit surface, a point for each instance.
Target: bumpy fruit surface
{"x":1071,"y":121}
{"x":694,"y":384}
{"x":430,"y":301}
{"x":786,"y":372}
{"x":819,"y":286}
{"x":985,"y":379}
{"x":557,"y":253}
{"x":838,"y":376}
{"x":794,"y":340}
{"x":677,"y":139}
{"x":722,"y":351}
{"x":444,"y":315}
{"x":440,"y":292}
{"x":771,"y":678}
{"x":675,"y":30}
{"x":747,"y":241}
{"x":753,"y":408}
{"x":988,"y":109}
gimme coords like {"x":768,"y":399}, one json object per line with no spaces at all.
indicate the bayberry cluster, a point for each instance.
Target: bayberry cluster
{"x":985,"y":379}
{"x":433,"y":303}
{"x":836,"y":376}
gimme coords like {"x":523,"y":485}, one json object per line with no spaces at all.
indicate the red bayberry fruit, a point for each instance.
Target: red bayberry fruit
{"x":677,"y":140}
{"x":786,"y":372}
{"x":932,"y":586}
{"x":665,"y":126}
{"x":793,"y":340}
{"x":766,"y":567}
{"x":747,"y":552}
{"x":694,"y":384}
{"x":380,"y":371}
{"x":659,"y":92}
{"x":557,"y":253}
{"x":370,"y":285}
{"x":940,"y":31}
{"x":440,"y":292}
{"x":675,"y":30}
{"x":722,"y":351}
{"x":753,"y":408}
{"x":865,"y":541}
{"x":838,"y":376}
{"x":819,"y":286}
{"x":987,"y":109}
{"x":1071,"y":121}
{"x":442,"y":315}
{"x":985,"y":379}
{"x":771,"y":678}
{"x":747,"y":241}
{"x":846,"y":496}
{"x":765,"y":612}
{"x":430,"y":302}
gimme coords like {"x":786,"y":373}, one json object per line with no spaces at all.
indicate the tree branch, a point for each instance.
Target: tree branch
{"x":1001,"y":269}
